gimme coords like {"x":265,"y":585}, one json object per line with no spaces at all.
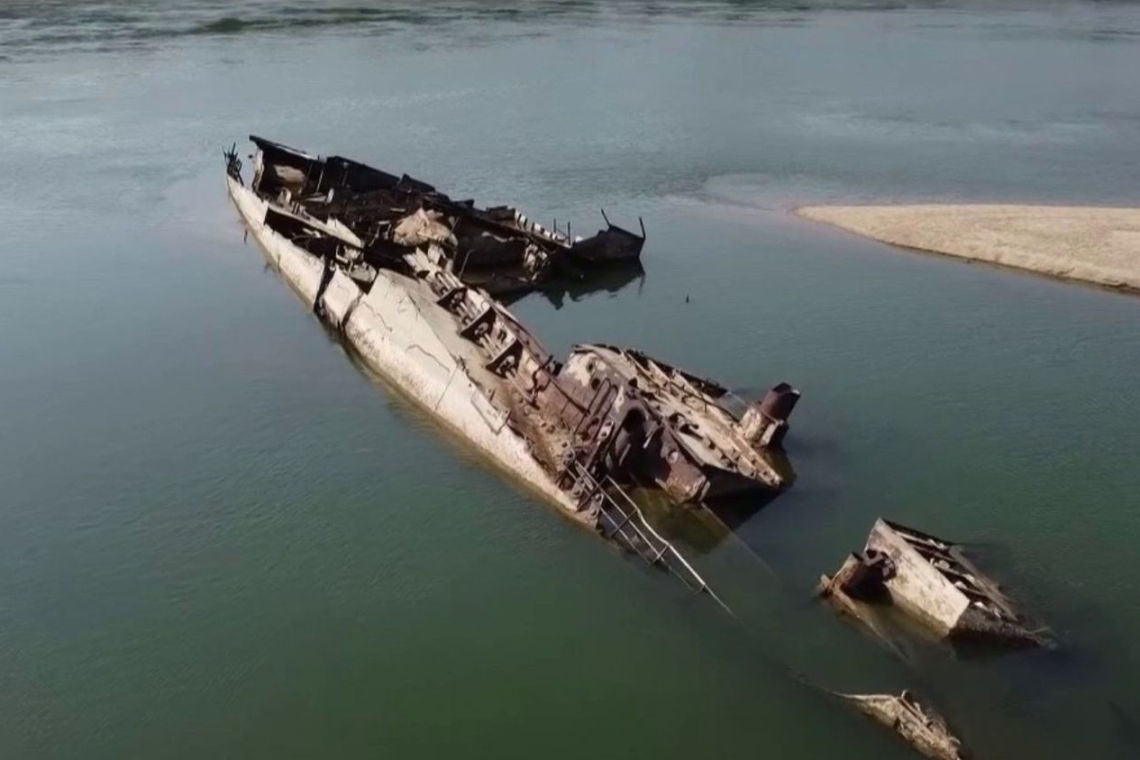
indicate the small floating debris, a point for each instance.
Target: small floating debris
{"x":931,"y":580}
{"x":920,"y":725}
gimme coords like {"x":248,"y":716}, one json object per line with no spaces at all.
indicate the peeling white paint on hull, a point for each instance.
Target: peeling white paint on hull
{"x":396,"y":330}
{"x":300,"y":269}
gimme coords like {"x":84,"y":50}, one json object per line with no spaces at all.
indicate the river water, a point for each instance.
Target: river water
{"x":219,"y":538}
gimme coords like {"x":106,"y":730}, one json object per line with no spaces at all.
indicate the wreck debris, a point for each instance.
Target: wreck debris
{"x":931,"y":580}
{"x":616,"y":245}
{"x":579,"y":432}
{"x":497,"y":248}
{"x":861,"y":608}
{"x":919,"y":724}
{"x":674,"y":429}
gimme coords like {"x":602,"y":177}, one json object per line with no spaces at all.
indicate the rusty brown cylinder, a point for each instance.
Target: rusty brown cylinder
{"x":779,"y":402}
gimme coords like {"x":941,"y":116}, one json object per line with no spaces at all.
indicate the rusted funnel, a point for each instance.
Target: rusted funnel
{"x":766,"y":423}
{"x":779,"y":402}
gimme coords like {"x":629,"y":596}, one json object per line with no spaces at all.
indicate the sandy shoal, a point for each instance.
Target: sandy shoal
{"x":1099,"y":245}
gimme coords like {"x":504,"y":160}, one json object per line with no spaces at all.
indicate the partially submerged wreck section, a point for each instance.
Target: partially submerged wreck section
{"x":931,"y":580}
{"x":918,"y":724}
{"x":578,"y":432}
{"x":652,"y":423}
{"x":387,"y":215}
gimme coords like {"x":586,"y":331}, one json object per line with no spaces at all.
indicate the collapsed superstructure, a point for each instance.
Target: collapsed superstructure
{"x":394,"y":287}
{"x":931,"y":580}
{"x":384,"y":215}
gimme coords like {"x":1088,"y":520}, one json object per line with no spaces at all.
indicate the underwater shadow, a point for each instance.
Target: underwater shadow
{"x":612,"y":280}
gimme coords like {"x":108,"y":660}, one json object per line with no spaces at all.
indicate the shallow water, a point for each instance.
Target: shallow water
{"x":218,"y":537}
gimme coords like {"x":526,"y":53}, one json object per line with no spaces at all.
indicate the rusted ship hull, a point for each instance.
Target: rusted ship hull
{"x":576,"y":432}
{"x":396,"y":330}
{"x":932,"y":581}
{"x":496,"y":248}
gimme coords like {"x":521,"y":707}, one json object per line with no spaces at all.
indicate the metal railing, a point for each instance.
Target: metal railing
{"x":628,"y":527}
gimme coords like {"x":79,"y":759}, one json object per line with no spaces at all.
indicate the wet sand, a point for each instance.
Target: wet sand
{"x":1098,"y":245}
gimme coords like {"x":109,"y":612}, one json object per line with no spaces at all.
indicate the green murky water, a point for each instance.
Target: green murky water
{"x":218,"y":538}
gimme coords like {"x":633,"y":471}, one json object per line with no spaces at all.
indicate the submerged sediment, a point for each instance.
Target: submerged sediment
{"x":1090,"y":244}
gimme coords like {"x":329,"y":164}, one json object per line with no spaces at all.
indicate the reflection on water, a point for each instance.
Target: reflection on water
{"x":699,"y":527}
{"x":611,"y":280}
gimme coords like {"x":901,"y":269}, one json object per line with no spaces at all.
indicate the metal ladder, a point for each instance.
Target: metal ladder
{"x":626,"y":525}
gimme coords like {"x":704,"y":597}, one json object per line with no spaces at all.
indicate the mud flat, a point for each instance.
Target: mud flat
{"x":1097,"y":245}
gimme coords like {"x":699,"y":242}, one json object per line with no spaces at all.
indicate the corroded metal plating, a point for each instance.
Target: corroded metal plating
{"x":581,"y":431}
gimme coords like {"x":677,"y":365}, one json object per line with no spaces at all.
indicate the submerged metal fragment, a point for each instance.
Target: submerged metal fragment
{"x":920,"y":725}
{"x":931,"y":580}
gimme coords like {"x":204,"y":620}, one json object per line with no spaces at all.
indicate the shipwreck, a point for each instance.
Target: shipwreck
{"x":917,"y":723}
{"x":388,"y":279}
{"x":386,"y":215}
{"x":932,"y":581}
